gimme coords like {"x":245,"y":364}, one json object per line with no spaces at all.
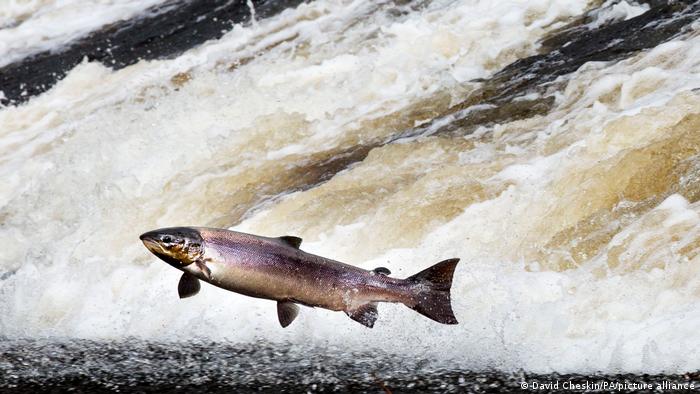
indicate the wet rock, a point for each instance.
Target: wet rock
{"x":563,"y":52}
{"x":166,"y":31}
{"x":85,"y":366}
{"x":526,"y":87}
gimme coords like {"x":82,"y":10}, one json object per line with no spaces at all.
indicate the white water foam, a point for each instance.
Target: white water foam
{"x":32,"y":26}
{"x":106,"y":155}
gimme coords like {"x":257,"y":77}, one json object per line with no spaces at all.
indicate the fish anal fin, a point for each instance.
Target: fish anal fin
{"x":287,"y":311}
{"x":290,"y":240}
{"x":188,"y":285}
{"x":365,"y":314}
{"x":381,"y":271}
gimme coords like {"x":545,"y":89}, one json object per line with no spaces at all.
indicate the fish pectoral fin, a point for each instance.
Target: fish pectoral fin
{"x":382,"y":271}
{"x":286,"y":312}
{"x":290,"y":240}
{"x":188,"y":286}
{"x":205,"y":270}
{"x":366,"y":314}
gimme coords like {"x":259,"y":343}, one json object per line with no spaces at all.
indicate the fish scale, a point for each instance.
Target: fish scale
{"x":276,"y":269}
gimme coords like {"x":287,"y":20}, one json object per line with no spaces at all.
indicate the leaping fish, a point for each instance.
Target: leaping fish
{"x":276,"y":269}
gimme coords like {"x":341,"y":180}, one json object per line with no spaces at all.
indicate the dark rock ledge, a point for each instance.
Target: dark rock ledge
{"x":162,"y":32}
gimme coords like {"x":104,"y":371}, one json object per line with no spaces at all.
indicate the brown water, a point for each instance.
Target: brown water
{"x":376,"y":131}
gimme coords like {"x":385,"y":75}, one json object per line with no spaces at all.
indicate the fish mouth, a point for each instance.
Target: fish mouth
{"x":171,"y":250}
{"x":158,"y":250}
{"x":150,"y":241}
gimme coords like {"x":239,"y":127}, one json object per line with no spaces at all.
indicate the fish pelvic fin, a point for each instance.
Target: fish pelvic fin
{"x":188,"y":285}
{"x":365,"y":314}
{"x":287,"y":311}
{"x":431,"y":296}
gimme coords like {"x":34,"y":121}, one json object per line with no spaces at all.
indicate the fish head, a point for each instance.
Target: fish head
{"x":177,"y":246}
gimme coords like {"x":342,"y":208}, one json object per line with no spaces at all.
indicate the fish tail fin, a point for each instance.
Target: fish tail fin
{"x":432,"y":293}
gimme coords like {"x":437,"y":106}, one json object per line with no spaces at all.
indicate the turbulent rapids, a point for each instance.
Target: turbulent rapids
{"x":553,"y":145}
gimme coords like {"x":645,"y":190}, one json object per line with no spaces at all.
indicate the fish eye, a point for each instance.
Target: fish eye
{"x":167,"y":239}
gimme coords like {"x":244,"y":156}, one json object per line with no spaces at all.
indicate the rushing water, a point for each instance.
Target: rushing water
{"x":375,"y":131}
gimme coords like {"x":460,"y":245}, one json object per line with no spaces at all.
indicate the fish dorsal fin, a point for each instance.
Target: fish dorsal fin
{"x":290,"y":240}
{"x":286,"y":312}
{"x":365,"y":314}
{"x":381,"y":271}
{"x":188,"y":286}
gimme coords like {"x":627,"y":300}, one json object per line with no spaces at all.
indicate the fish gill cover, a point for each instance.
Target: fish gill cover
{"x":553,"y":146}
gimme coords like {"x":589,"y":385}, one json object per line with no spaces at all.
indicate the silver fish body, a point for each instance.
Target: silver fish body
{"x":276,"y":269}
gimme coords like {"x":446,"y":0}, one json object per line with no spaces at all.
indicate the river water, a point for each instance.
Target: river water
{"x":552,"y":145}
